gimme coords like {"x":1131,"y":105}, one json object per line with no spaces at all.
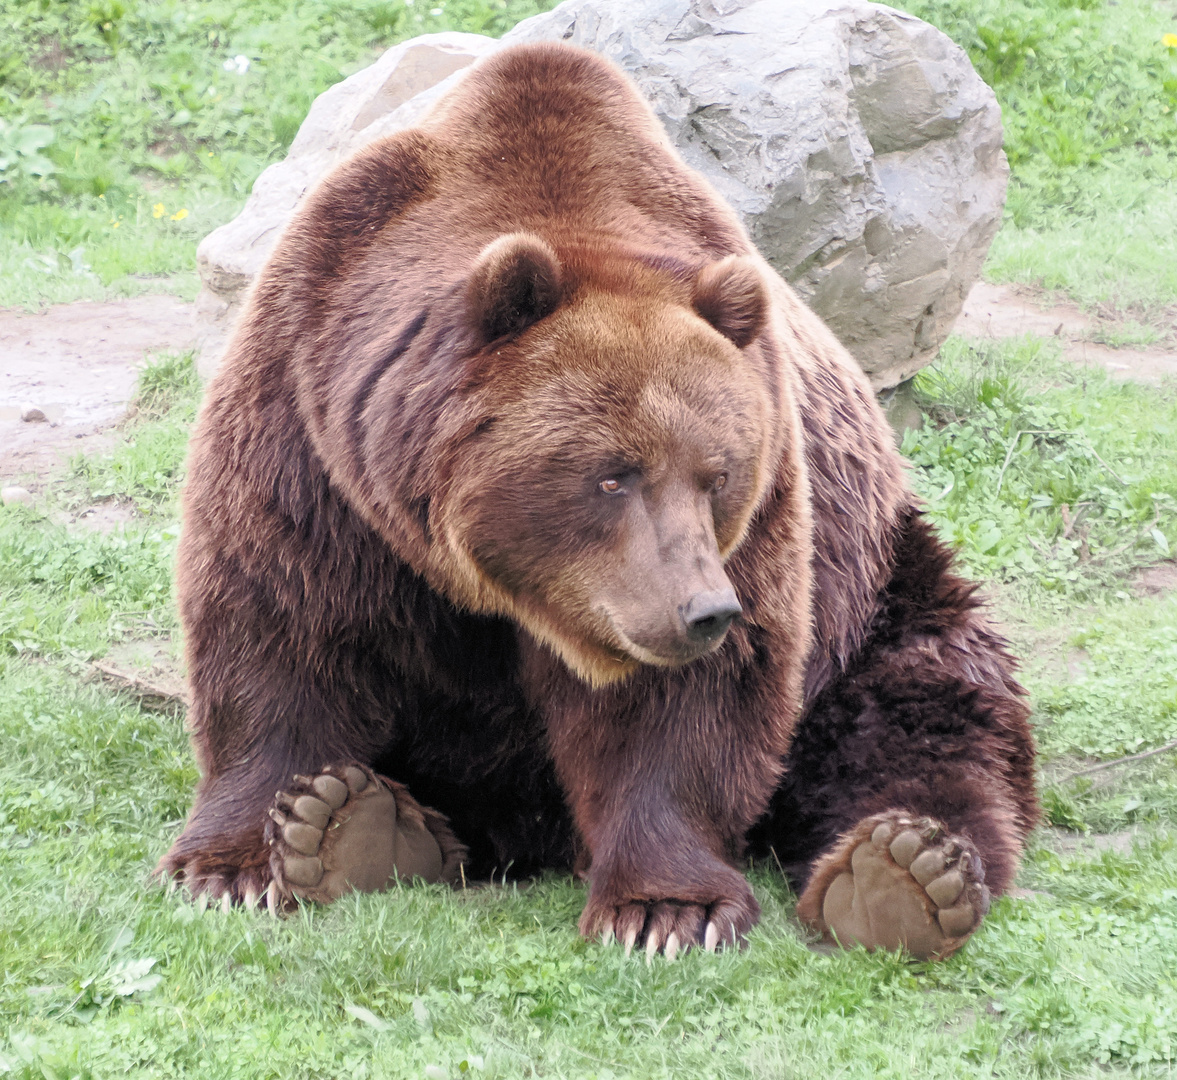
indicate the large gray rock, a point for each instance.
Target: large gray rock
{"x":857,"y":143}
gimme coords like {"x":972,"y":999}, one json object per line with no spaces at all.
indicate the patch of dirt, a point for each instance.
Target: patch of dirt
{"x":149,"y":670}
{"x":77,"y":363}
{"x":1158,"y":580}
{"x":1004,"y":311}
{"x":103,"y":517}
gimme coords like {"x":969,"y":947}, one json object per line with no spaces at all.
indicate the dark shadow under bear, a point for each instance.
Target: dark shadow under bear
{"x":533,"y":522}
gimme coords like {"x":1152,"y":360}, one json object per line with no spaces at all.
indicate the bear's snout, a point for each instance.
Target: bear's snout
{"x":707,"y":615}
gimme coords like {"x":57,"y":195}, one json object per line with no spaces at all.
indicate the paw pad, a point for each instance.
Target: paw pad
{"x":898,"y":882}
{"x":344,"y":830}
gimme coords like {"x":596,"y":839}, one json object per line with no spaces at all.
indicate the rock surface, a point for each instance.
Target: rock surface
{"x":857,"y":143}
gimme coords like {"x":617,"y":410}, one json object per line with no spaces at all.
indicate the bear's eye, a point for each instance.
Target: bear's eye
{"x":720,"y":482}
{"x":610,"y":486}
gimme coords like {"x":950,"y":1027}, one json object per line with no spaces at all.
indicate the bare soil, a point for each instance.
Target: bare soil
{"x":1004,"y":311}
{"x":77,"y":363}
{"x":1155,"y":580}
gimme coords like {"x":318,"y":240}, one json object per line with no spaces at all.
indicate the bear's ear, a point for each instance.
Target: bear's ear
{"x":516,"y":281}
{"x":730,"y":295}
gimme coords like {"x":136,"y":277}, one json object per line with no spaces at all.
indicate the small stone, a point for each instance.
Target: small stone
{"x":32,"y":414}
{"x":11,"y":496}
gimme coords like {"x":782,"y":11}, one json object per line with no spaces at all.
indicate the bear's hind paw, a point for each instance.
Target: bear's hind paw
{"x":348,"y":829}
{"x":896,"y":881}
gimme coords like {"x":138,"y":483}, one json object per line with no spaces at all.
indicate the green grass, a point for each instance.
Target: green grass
{"x":1043,"y":473}
{"x":105,"y":975}
{"x":113,"y":109}
{"x":384,"y":986}
{"x":1088,"y":93}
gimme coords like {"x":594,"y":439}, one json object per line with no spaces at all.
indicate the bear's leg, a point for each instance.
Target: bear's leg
{"x":344,"y":828}
{"x":348,"y":829}
{"x":222,"y":854}
{"x":262,"y":744}
{"x":911,"y":859}
{"x":320,"y":835}
{"x":909,"y":785}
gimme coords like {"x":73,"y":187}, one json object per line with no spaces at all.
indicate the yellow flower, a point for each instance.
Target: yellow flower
{"x":158,"y":210}
{"x":1169,"y":41}
{"x":180,"y":214}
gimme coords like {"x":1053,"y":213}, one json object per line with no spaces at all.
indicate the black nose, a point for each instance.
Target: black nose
{"x":709,"y":614}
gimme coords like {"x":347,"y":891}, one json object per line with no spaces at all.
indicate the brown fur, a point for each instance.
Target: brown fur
{"x":395,"y":548}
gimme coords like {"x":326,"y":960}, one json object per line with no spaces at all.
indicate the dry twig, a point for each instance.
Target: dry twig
{"x":152,"y":694}
{"x":1163,"y":749}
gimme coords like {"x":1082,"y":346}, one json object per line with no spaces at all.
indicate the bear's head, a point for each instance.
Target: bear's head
{"x":621,"y":446}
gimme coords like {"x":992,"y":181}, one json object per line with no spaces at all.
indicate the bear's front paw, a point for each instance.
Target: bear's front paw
{"x":672,"y":926}
{"x":896,"y":881}
{"x":347,"y":830}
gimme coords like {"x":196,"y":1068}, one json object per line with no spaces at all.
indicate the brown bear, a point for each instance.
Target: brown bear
{"x":533,"y":522}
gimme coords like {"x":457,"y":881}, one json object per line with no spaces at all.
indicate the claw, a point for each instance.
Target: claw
{"x":670,"y":950}
{"x":227,"y":902}
{"x":631,"y":935}
{"x":710,"y":937}
{"x":250,"y":898}
{"x":272,"y":898}
{"x":299,"y":778}
{"x":651,"y":947}
{"x":277,"y":815}
{"x":170,"y":885}
{"x":607,"y":936}
{"x":202,"y":902}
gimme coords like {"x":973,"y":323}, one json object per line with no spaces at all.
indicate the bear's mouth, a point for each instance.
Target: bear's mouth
{"x":669,"y":652}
